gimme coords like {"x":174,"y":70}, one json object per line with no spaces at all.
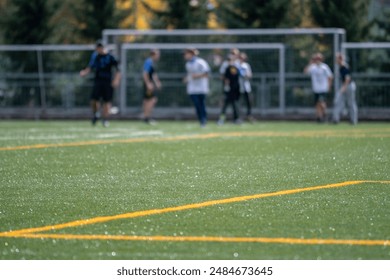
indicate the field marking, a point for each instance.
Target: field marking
{"x":309,"y":134}
{"x":35,"y":232}
{"x":144,"y":213}
{"x":280,"y":240}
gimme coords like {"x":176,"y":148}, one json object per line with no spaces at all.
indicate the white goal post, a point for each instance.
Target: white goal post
{"x":337,"y":35}
{"x":280,"y":48}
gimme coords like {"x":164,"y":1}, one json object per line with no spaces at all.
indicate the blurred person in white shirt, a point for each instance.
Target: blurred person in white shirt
{"x":197,"y":80}
{"x":321,"y":80}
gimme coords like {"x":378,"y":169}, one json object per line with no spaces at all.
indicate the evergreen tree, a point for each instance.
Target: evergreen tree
{"x":348,"y":14}
{"x":381,"y":26}
{"x":93,"y":16}
{"x":180,"y":14}
{"x":253,"y":14}
{"x":380,"y":33}
{"x":26,"y":22}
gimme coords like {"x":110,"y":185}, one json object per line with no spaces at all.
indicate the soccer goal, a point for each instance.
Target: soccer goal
{"x":300,"y":43}
{"x":266,"y":59}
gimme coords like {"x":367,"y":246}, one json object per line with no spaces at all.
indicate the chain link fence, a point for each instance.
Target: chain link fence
{"x":43,"y":80}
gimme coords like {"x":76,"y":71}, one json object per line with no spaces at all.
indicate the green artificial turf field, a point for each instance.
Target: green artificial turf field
{"x":271,"y":190}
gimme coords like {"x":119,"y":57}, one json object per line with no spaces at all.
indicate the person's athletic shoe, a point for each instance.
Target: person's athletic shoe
{"x":150,"y":121}
{"x":238,"y":121}
{"x":94,"y":120}
{"x":105,"y":123}
{"x":221,"y":120}
{"x":96,"y":117}
{"x":251,"y":119}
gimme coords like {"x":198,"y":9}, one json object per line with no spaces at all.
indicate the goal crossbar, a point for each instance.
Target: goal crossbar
{"x":181,"y":46}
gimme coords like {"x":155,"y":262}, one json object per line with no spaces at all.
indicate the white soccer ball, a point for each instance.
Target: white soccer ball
{"x":114,"y":110}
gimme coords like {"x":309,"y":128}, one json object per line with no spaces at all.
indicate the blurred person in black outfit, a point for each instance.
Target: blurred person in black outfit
{"x":103,"y":89}
{"x":231,"y":82}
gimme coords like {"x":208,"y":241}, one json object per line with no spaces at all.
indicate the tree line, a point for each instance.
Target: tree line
{"x":81,"y":21}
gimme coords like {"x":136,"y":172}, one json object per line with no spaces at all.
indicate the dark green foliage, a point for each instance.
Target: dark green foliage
{"x":348,"y":14}
{"x":380,"y":33}
{"x":27,"y":22}
{"x":382,"y":23}
{"x":180,"y":15}
{"x":95,"y":15}
{"x":253,"y":14}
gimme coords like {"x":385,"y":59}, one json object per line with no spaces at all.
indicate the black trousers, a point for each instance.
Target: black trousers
{"x":231,"y":98}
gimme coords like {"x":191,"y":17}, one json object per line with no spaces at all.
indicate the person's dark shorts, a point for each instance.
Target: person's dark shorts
{"x":102,"y":90}
{"x":149,"y":94}
{"x":320,"y":97}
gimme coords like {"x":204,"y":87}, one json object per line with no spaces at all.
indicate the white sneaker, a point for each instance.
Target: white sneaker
{"x":106,"y":123}
{"x":221,"y":120}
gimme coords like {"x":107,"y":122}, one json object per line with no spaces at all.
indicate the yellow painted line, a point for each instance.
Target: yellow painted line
{"x":109,"y":141}
{"x":144,"y":213}
{"x":73,"y":144}
{"x":309,"y":134}
{"x":280,"y":240}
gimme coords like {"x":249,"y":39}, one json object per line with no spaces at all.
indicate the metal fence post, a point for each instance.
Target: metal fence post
{"x":282,"y":77}
{"x":263,"y":97}
{"x":123,"y":83}
{"x":42,"y":89}
{"x":336,"y":75}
